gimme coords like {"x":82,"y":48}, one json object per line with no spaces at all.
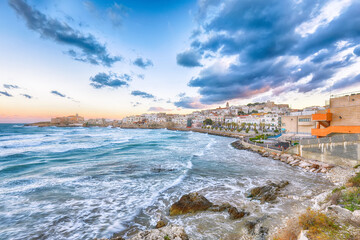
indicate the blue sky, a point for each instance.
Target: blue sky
{"x":116,"y":58}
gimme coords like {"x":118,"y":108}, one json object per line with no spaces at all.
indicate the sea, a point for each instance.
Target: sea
{"x":86,"y":183}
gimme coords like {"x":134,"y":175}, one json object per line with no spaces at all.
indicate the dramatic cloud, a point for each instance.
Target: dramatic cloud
{"x":142,"y":94}
{"x":111,"y":80}
{"x":143,"y":63}
{"x":349,"y":81}
{"x":90,"y":50}
{"x":188,"y":59}
{"x":261,"y":46}
{"x":58,"y":93}
{"x":189,"y":102}
{"x":4,"y":93}
{"x":27,"y":96}
{"x":9,"y":86}
{"x":158,"y":109}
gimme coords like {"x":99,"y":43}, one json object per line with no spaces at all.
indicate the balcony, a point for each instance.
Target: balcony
{"x":323,"y":132}
{"x":322,"y":117}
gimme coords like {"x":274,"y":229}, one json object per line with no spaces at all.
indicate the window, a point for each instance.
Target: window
{"x":304,"y":119}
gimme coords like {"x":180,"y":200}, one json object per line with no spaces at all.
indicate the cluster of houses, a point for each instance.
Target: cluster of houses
{"x":341,"y":115}
{"x":267,"y":114}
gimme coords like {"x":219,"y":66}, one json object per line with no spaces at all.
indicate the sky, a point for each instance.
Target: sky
{"x":111,"y":59}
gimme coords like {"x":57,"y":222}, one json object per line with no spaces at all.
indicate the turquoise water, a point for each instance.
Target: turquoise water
{"x":82,"y":183}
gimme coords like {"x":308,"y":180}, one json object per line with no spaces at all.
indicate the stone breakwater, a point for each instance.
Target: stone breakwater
{"x":309,"y":165}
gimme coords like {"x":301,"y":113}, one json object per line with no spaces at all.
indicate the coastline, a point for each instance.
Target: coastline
{"x":337,"y":175}
{"x":208,"y":131}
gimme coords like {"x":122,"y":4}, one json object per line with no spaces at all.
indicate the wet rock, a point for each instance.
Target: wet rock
{"x":266,"y":154}
{"x":190,"y":203}
{"x":263,"y":232}
{"x":220,"y":208}
{"x":236,"y":214}
{"x":158,"y":170}
{"x":267,"y":193}
{"x":238,"y":145}
{"x":161,"y":223}
{"x":172,"y":232}
{"x":113,"y":238}
{"x":250,"y":226}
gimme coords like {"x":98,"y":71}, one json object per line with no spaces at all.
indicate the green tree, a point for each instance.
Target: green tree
{"x":208,"y":121}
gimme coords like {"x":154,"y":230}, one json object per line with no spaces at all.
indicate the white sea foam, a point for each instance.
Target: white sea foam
{"x":88,"y":194}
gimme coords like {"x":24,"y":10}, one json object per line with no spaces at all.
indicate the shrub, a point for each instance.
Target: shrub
{"x":351,"y":199}
{"x":320,"y":226}
{"x":355,"y":181}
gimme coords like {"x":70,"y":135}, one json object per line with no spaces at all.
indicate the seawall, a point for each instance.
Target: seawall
{"x":341,"y":149}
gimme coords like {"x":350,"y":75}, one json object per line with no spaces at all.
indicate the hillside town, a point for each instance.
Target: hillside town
{"x":340,"y":115}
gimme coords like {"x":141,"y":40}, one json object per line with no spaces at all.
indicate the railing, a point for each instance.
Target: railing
{"x":323,"y":132}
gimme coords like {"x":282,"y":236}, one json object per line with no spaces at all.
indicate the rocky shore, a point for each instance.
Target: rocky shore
{"x":194,"y":203}
{"x":309,"y":165}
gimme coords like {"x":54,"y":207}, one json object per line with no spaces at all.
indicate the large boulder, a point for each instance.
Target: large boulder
{"x":267,"y":193}
{"x":190,"y":203}
{"x":172,"y":232}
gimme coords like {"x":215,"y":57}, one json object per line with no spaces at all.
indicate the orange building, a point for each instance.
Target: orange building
{"x":342,"y":116}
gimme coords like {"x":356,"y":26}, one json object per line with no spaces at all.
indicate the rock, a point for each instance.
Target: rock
{"x":250,"y":226}
{"x":160,"y":224}
{"x":159,"y":169}
{"x":356,"y":217}
{"x":190,"y":203}
{"x":236,"y":214}
{"x":302,"y":235}
{"x":220,"y":208}
{"x":342,"y":214}
{"x":267,"y":193}
{"x":172,"y":232}
{"x":263,"y":232}
{"x":314,"y":165}
{"x":304,"y":164}
{"x":117,"y":238}
{"x":113,"y":238}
